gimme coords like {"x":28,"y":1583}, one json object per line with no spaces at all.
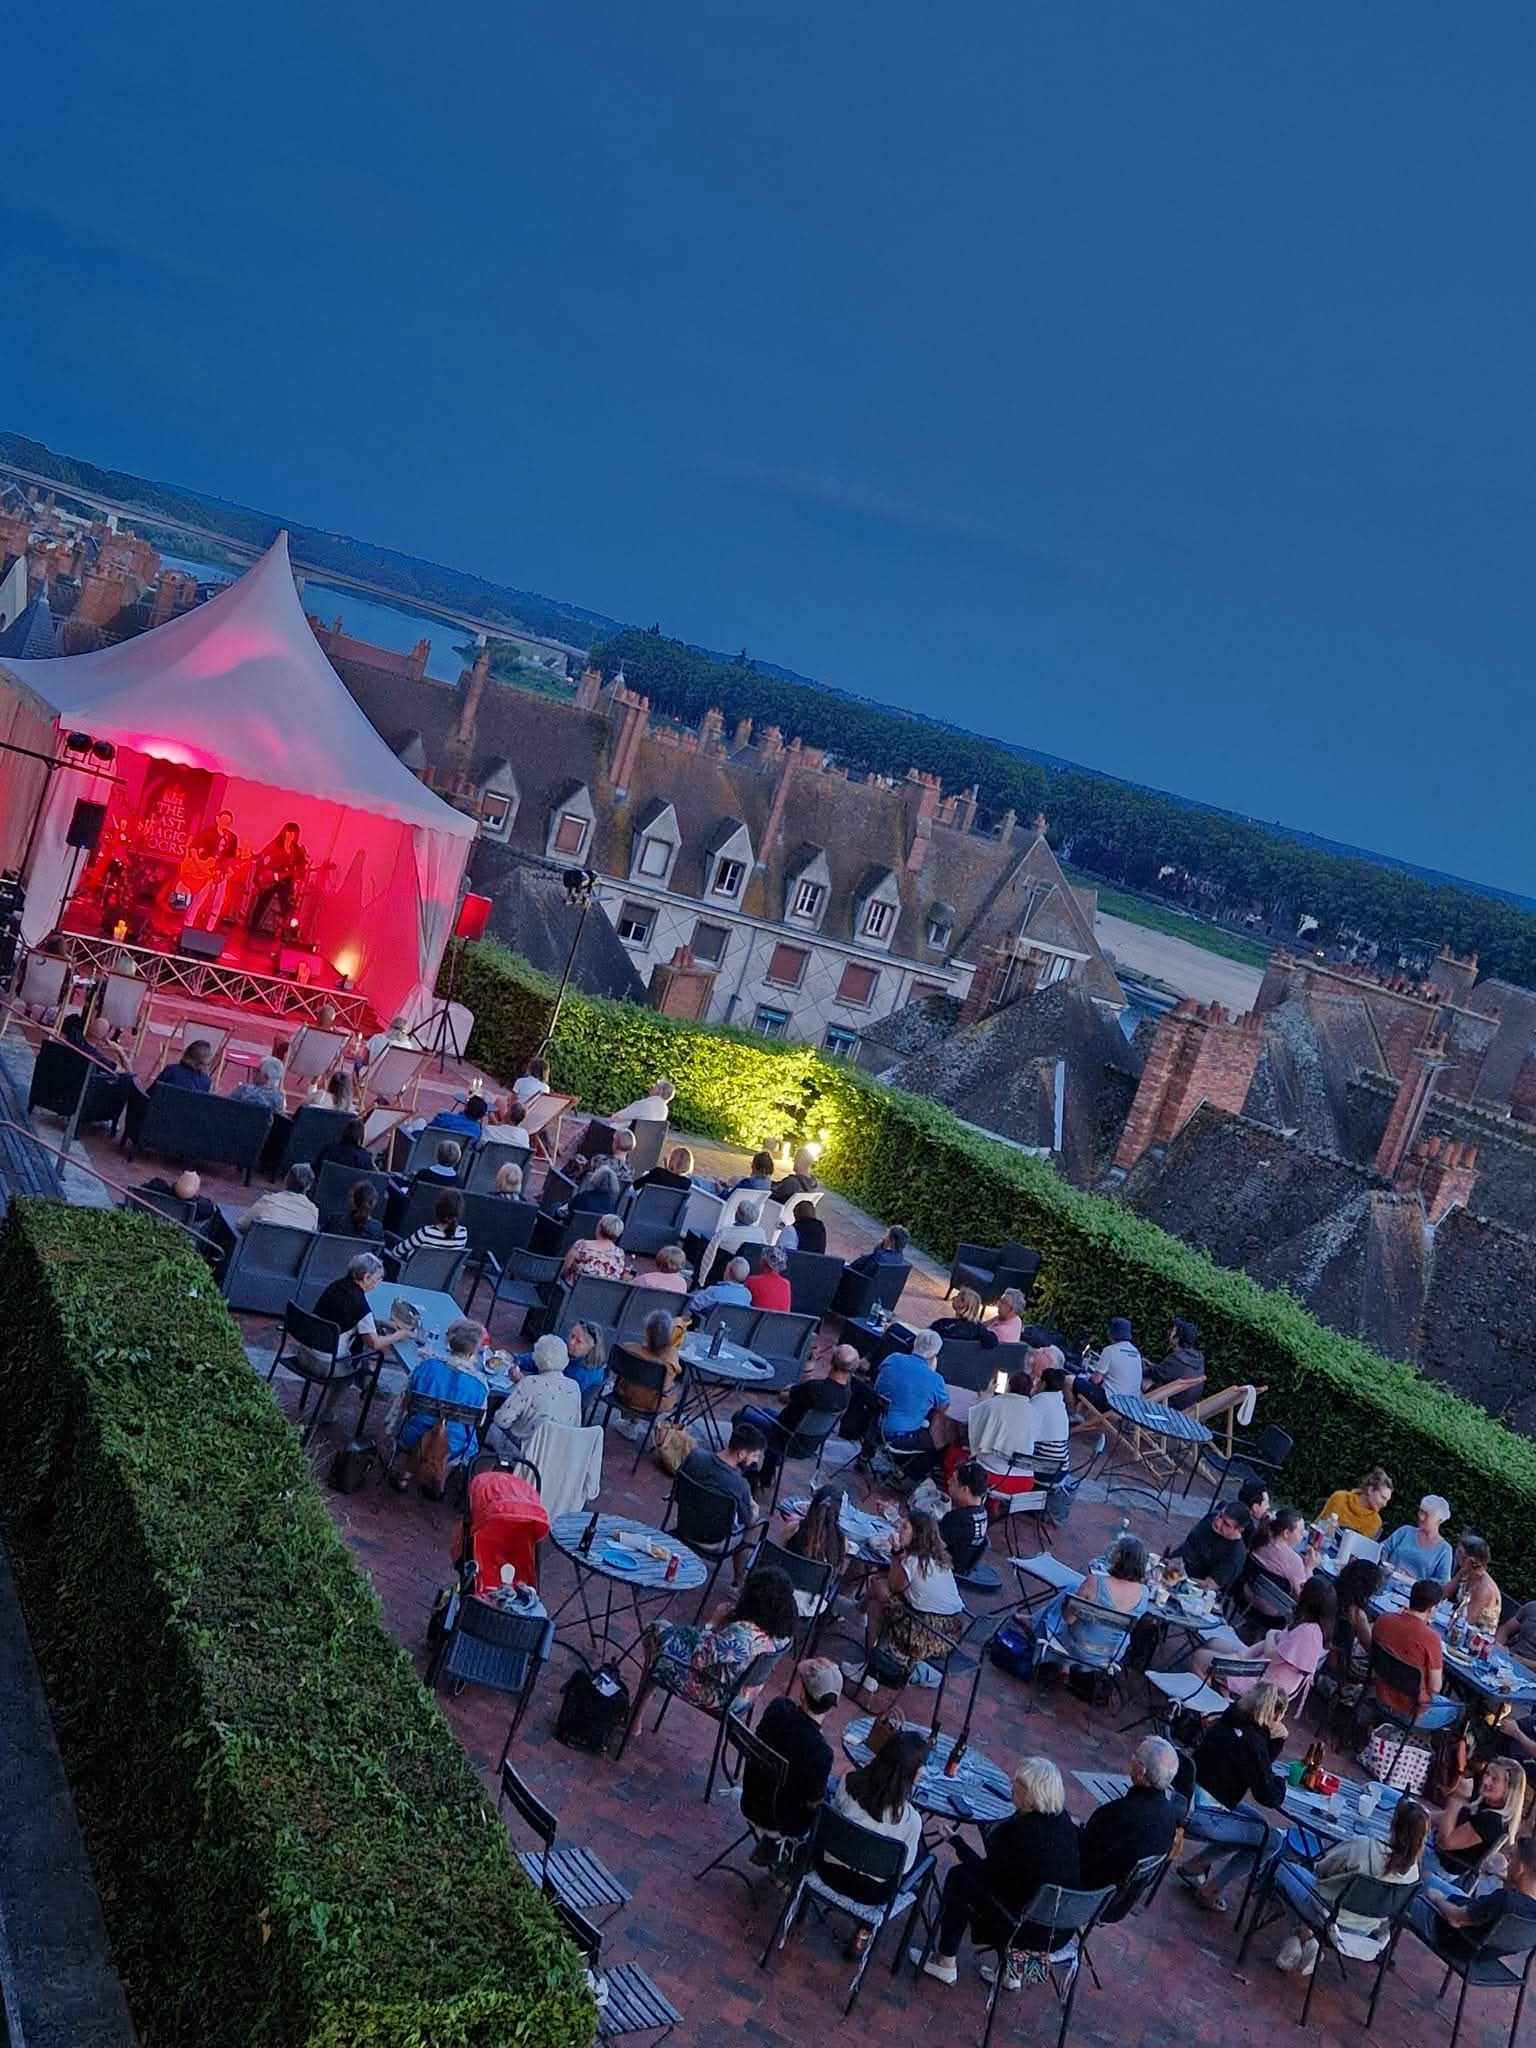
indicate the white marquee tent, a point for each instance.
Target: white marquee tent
{"x":239,"y":689}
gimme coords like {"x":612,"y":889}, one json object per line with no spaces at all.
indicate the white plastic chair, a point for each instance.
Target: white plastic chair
{"x":44,"y":980}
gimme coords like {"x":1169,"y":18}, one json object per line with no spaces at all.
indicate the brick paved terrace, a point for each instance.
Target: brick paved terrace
{"x":1169,"y":1974}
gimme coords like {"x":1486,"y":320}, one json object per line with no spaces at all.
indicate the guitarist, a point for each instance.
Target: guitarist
{"x":280,"y":867}
{"x":209,"y":862}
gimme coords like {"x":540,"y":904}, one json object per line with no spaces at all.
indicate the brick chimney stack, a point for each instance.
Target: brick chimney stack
{"x":789,"y":759}
{"x":1443,"y":1172}
{"x":965,"y":808}
{"x":1005,"y":825}
{"x":1415,"y":1092}
{"x":631,"y":715}
{"x":770,"y":744}
{"x":742,"y":736}
{"x":590,"y":688}
{"x":1002,"y":977}
{"x":925,"y":788}
{"x":1453,"y":976}
{"x":712,"y":732}
{"x":472,"y":684}
{"x":1200,"y":1054}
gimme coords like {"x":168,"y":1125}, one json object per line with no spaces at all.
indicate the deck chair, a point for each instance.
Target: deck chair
{"x":312,"y":1053}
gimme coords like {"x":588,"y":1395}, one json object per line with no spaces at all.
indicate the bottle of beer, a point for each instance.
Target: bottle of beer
{"x":955,"y":1758}
{"x":587,"y":1535}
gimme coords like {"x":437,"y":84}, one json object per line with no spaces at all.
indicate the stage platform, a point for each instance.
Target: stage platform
{"x":225,"y":984}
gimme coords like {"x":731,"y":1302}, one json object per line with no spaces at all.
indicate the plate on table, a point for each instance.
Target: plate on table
{"x":621,"y":1558}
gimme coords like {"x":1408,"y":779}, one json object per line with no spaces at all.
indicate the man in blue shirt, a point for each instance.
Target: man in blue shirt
{"x":453,"y":1378}
{"x":731,"y":1291}
{"x":463,"y":1123}
{"x":890,"y":1251}
{"x":914,"y":1391}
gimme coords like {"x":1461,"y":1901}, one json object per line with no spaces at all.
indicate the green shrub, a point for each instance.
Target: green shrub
{"x":292,"y":1850}
{"x":906,"y":1160}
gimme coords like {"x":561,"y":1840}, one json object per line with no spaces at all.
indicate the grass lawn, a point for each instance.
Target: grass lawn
{"x":1177,"y":924}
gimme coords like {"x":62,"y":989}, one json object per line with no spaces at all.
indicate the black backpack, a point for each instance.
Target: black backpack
{"x":594,"y":1706}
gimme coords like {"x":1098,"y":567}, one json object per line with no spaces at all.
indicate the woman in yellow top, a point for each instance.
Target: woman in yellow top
{"x":1359,"y":1508}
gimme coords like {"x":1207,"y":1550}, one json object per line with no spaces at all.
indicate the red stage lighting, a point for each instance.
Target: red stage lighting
{"x":474,"y":916}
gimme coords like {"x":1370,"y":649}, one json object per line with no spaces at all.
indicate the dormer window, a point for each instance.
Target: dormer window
{"x":653,"y":848}
{"x":729,"y":876}
{"x":809,"y":897}
{"x":570,"y":834}
{"x":495,"y":815}
{"x":941,"y":926}
{"x":878,"y":919}
{"x":655,"y":859}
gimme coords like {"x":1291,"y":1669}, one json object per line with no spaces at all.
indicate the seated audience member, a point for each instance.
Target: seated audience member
{"x":1360,"y":1507}
{"x":465,"y":1123}
{"x":1117,"y":1369}
{"x":910,"y":1383}
{"x":1052,"y":1422}
{"x":189,"y":1072}
{"x":599,"y":1193}
{"x":890,"y":1251}
{"x":818,"y":1536}
{"x":586,"y":1366}
{"x":1213,"y":1553}
{"x":1185,"y":1361}
{"x":508,"y":1184}
{"x":1288,"y":1551}
{"x":544,"y":1394}
{"x":659,"y":1344}
{"x":654,"y":1107}
{"x":964,"y":1529}
{"x":614,"y":1166}
{"x":913,"y":1610}
{"x":445,"y":1233}
{"x":1007,"y":1326}
{"x":791,"y":1726}
{"x":668,"y":1275}
{"x":531,"y":1083}
{"x":724,"y":1471}
{"x":1253,"y":1499}
{"x":1355,"y":1588}
{"x":1142,"y":1822}
{"x":986,"y":1891}
{"x":187,"y":1187}
{"x":110,"y":1088}
{"x":399,"y":1033}
{"x":506,"y":1127}
{"x":1234,"y":1764}
{"x":357,"y":1219}
{"x":444,"y":1170}
{"x":344,"y":1303}
{"x":1067,"y":1633}
{"x":1461,"y":1928}
{"x":348,"y":1150}
{"x":266,"y":1088}
{"x":964,"y":1324}
{"x":598,"y":1257}
{"x":1394,"y":1861}
{"x":1294,"y":1653}
{"x":801,"y":1180}
{"x":339,"y":1092}
{"x":807,"y":1233}
{"x":1000,"y":1429}
{"x":1418,"y":1550}
{"x":453,"y":1377}
{"x":1474,"y":1827}
{"x":289,"y":1205}
{"x":675,"y":1173}
{"x":705,"y":1663}
{"x":768,"y":1286}
{"x":748,"y":1229}
{"x":1411,"y":1638}
{"x":759,"y":1177}
{"x":878,"y":1797}
{"x":728,"y":1292}
{"x":810,"y":1396}
{"x":1517,"y":1631}
{"x":1473,"y":1582}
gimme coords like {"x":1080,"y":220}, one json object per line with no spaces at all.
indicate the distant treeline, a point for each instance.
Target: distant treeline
{"x":1222,"y":866}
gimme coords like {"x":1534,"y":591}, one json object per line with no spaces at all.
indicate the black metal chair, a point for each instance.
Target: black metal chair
{"x":1138,"y":1887}
{"x":436,"y":1409}
{"x":501,"y":1651}
{"x":655,"y":1679}
{"x":989,"y":1269}
{"x":810,"y":1577}
{"x":264,"y":1271}
{"x":1404,"y":1681}
{"x":1288,"y":1887}
{"x":1263,"y":1457}
{"x":763,"y":1774}
{"x":578,"y":1877}
{"x":525,"y":1281}
{"x":629,"y":2003}
{"x":836,"y":1845}
{"x":1070,"y":1918}
{"x":645,"y":1375}
{"x":706,"y":1522}
{"x":810,"y":1440}
{"x":1485,"y":1963}
{"x":654,"y":1217}
{"x":312,"y":1349}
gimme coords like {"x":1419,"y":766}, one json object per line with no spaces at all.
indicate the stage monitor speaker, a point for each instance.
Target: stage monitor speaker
{"x":85,"y":826}
{"x":201,"y":945}
{"x":474,"y":915}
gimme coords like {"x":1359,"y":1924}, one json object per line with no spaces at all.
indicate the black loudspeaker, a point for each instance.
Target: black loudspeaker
{"x":201,"y":945}
{"x":85,"y":826}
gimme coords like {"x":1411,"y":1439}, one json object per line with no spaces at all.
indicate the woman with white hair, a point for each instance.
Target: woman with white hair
{"x":1036,"y":1845}
{"x":668,"y":1275}
{"x":508,"y":1182}
{"x":266,"y":1088}
{"x":540,"y":1392}
{"x":1418,"y":1550}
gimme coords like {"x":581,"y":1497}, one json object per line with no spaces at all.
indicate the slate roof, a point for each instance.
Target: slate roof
{"x":1479,"y":1325}
{"x":30,"y":636}
{"x":1315,"y":1046}
{"x":532,"y":914}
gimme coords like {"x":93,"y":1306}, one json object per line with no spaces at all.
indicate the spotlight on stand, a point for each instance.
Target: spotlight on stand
{"x":578,"y":884}
{"x":78,"y":743}
{"x":103,"y":751}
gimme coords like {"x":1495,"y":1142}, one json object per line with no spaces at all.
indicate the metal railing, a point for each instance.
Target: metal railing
{"x":210,"y":981}
{"x":134,"y":1197}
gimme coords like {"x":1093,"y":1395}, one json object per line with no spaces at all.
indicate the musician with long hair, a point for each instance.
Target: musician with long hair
{"x":280,"y":867}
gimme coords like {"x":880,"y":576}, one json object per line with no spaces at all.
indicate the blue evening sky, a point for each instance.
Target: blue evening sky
{"x":1149,"y":383}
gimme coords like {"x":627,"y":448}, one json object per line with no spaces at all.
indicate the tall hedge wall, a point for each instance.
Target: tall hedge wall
{"x":907,"y":1160}
{"x":292,"y":1850}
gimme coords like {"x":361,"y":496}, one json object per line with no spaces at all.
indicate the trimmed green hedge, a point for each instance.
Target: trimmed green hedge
{"x":292,"y":1850}
{"x":905,"y":1159}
